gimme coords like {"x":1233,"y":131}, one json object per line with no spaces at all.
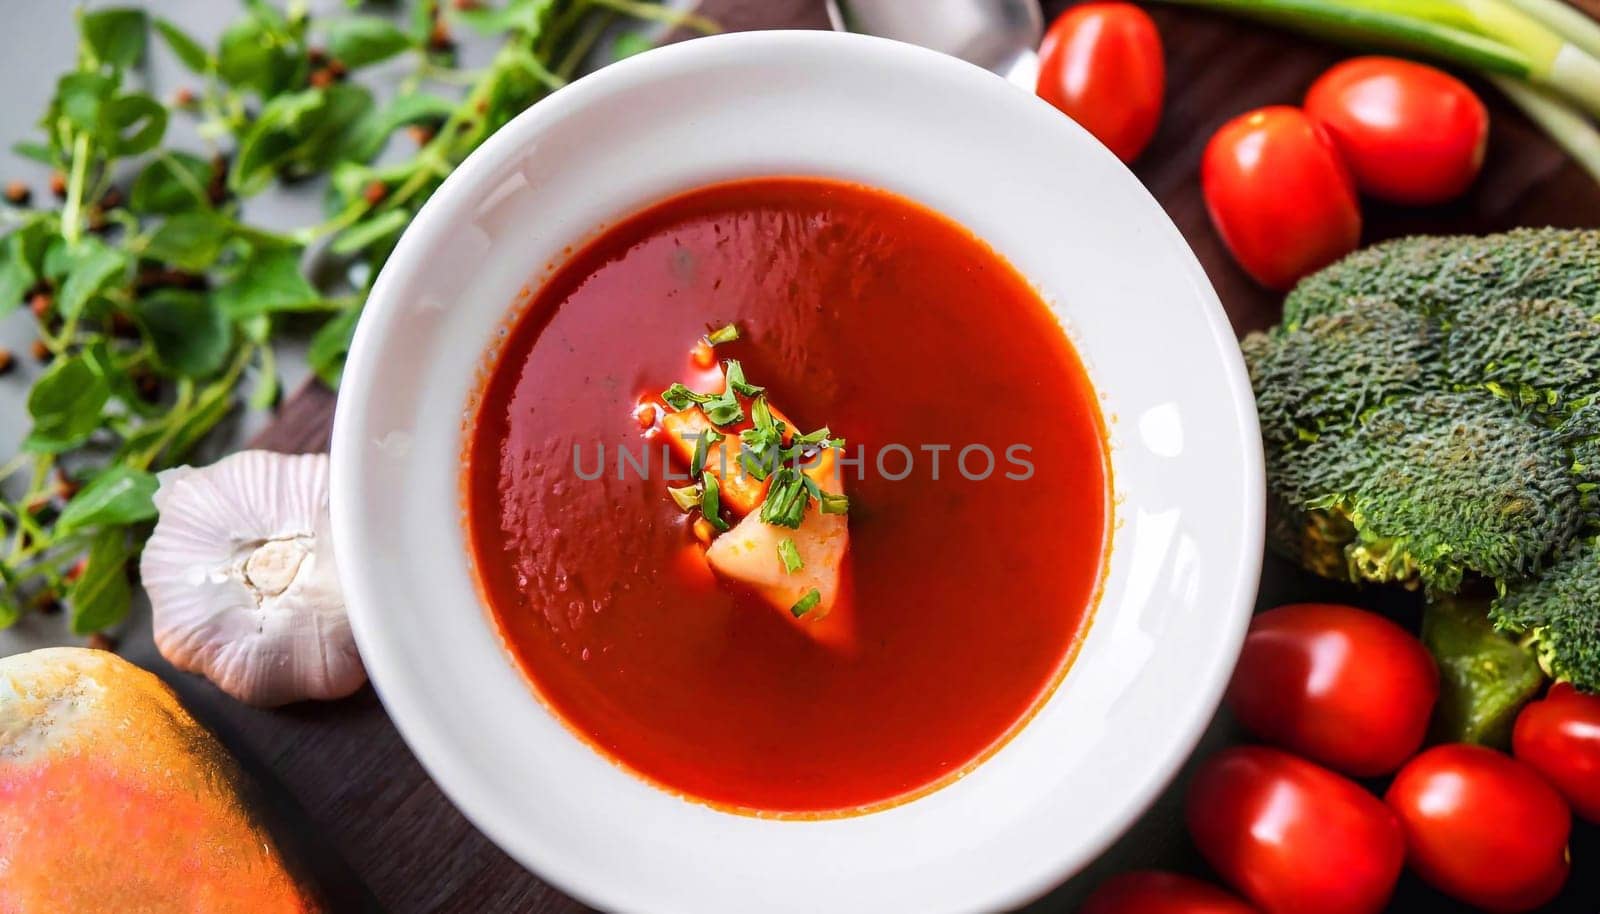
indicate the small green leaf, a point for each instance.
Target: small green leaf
{"x":189,"y":52}
{"x":790,"y":556}
{"x":38,"y":152}
{"x":687,"y":498}
{"x":299,"y":133}
{"x":190,"y":241}
{"x":115,"y":36}
{"x":79,"y":98}
{"x":65,"y":404}
{"x":711,"y":501}
{"x":21,"y":259}
{"x":736,"y":381}
{"x":94,"y":266}
{"x":329,"y":346}
{"x":806,"y":603}
{"x":629,"y":44}
{"x":134,"y":124}
{"x":371,"y":231}
{"x":191,"y":335}
{"x":367,"y":139}
{"x":834,"y":504}
{"x":727,"y":333}
{"x":253,"y":55}
{"x":356,"y":41}
{"x":173,"y":182}
{"x":268,"y":282}
{"x":101,"y":595}
{"x":119,"y":495}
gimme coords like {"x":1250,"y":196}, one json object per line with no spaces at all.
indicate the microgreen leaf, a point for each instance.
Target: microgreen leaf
{"x":119,"y":495}
{"x":189,"y":52}
{"x":173,"y":182}
{"x":134,"y":124}
{"x":191,"y":335}
{"x":806,"y":603}
{"x":115,"y":36}
{"x":329,"y":345}
{"x":65,"y":405}
{"x":101,"y":594}
{"x":94,"y":266}
{"x":368,"y":232}
{"x":190,"y":240}
{"x":368,"y":137}
{"x":790,"y":556}
{"x":356,"y":41}
{"x":269,"y":281}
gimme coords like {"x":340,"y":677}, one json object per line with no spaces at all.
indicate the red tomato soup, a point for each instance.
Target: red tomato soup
{"x":856,"y":309}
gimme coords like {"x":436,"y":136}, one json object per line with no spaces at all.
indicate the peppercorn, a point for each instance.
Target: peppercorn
{"x":18,"y":194}
{"x":100,"y":641}
{"x":183,"y":98}
{"x":45,"y":602}
{"x":374,"y":193}
{"x":337,"y":68}
{"x":41,"y":352}
{"x":439,"y":38}
{"x":321,"y":78}
{"x":58,"y":184}
{"x":7,"y":361}
{"x":40,"y":305}
{"x":111,"y":199}
{"x":421,"y":134}
{"x":466,"y":5}
{"x":316,"y":56}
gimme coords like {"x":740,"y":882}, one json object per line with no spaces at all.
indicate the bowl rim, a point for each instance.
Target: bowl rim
{"x":400,"y":698}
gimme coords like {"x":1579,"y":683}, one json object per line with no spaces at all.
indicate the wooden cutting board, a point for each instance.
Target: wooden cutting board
{"x":349,"y":798}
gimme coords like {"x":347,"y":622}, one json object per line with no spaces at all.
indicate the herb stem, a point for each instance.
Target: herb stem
{"x":72,"y":211}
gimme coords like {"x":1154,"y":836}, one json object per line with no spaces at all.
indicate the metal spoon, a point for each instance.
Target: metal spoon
{"x":998,"y":35}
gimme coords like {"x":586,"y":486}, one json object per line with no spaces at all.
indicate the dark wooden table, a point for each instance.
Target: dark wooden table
{"x":349,"y":799}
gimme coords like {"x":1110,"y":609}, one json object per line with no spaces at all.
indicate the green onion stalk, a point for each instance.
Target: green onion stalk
{"x":1544,"y":54}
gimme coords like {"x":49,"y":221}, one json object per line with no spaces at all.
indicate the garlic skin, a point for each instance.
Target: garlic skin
{"x":242,"y":579}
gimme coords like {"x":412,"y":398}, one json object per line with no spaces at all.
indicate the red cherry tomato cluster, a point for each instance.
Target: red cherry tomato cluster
{"x":1281,"y":183}
{"x":1338,"y":692}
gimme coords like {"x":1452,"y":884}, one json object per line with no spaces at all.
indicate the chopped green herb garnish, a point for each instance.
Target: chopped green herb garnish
{"x":785,"y":505}
{"x":723,"y":409}
{"x":711,"y":501}
{"x":678,"y":396}
{"x":834,"y":504}
{"x":818,"y":437}
{"x":736,"y":381}
{"x":702,"y":448}
{"x":806,"y":603}
{"x":790,"y":556}
{"x":727,"y":333}
{"x":687,"y":497}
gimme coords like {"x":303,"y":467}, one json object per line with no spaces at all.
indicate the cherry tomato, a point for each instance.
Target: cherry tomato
{"x":1161,"y":893}
{"x":1409,"y":132}
{"x":1560,"y":737}
{"x":1336,"y":684}
{"x":1292,"y":836}
{"x":1279,"y":195}
{"x":1482,"y":827}
{"x":1100,"y":63}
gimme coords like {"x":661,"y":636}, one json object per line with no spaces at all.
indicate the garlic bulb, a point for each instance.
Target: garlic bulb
{"x":242,"y":580}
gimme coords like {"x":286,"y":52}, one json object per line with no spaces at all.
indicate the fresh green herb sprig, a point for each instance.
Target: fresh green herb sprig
{"x":160,"y":304}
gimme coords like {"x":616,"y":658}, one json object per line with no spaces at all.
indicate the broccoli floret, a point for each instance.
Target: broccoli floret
{"x":1438,"y":275}
{"x":1558,"y":612}
{"x":1338,"y":368}
{"x":1539,"y":353}
{"x":1580,"y":432}
{"x":1439,"y":485}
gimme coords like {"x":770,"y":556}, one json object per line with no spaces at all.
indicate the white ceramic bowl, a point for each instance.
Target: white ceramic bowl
{"x":1185,"y":452}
